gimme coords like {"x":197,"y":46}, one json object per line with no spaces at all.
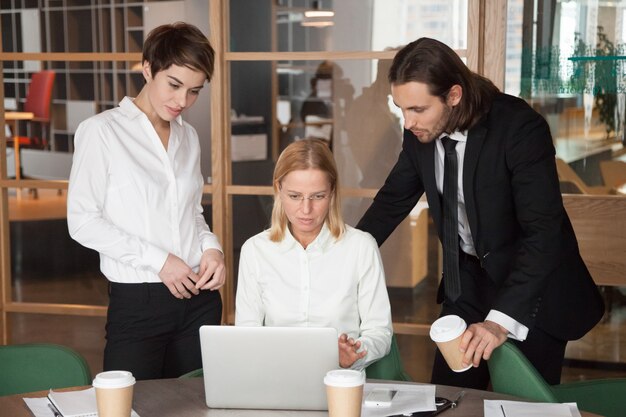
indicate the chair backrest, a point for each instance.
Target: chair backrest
{"x":613,"y":173}
{"x":37,"y":367}
{"x":39,"y":94}
{"x":567,"y":174}
{"x":513,"y":374}
{"x":600,"y":229}
{"x":46,"y":165}
{"x":389,"y":367}
{"x":196,"y":373}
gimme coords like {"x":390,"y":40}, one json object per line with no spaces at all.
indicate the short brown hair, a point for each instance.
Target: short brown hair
{"x":301,"y":155}
{"x":435,"y":64}
{"x":179,"y":44}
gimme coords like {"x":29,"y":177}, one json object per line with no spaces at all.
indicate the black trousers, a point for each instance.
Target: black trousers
{"x":477,"y":293}
{"x":153,"y":334}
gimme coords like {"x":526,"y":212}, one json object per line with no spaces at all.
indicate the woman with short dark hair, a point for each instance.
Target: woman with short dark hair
{"x":135,"y":195}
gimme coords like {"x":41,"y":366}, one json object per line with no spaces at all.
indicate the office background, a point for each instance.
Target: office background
{"x":288,"y":69}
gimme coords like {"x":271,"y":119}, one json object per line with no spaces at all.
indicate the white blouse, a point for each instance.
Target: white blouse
{"x":339,"y":284}
{"x":132,"y":200}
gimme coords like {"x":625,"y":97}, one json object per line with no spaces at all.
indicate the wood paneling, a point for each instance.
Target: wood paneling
{"x":220,"y":141}
{"x":600,"y":226}
{"x":495,"y":42}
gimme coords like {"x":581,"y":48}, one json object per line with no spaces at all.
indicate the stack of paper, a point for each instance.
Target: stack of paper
{"x":499,"y":408}
{"x":75,"y":403}
{"x":68,"y":404}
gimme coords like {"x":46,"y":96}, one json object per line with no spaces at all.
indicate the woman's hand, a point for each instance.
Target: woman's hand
{"x":179,"y":277}
{"x":348,"y":348}
{"x":212,"y":270}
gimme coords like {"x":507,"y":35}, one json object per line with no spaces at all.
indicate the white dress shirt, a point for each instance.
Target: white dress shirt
{"x":132,"y":200}
{"x":516,"y":329}
{"x":331,"y":283}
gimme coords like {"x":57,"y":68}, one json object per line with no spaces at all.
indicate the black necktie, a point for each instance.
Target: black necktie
{"x":451,"y":279}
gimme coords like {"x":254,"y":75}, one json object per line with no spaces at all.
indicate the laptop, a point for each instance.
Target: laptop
{"x":279,"y":368}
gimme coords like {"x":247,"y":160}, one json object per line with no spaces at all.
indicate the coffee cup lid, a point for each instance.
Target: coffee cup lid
{"x":447,"y":328}
{"x":344,"y":378}
{"x":113,"y":379}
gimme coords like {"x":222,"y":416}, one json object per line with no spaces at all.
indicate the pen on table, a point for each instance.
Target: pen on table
{"x":54,"y":410}
{"x":502,"y":408}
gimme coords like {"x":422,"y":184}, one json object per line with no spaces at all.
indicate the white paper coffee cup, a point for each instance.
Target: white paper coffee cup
{"x":344,"y":391}
{"x":447,"y":332}
{"x":114,"y":393}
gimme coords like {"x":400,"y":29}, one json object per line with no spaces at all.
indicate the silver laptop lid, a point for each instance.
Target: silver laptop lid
{"x":267,"y":367}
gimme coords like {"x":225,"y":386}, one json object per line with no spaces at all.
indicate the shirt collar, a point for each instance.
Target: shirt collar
{"x":132,"y":111}
{"x":456,"y":135}
{"x":321,"y":242}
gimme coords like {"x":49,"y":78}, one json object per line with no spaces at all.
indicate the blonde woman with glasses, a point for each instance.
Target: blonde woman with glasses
{"x":312,"y":270}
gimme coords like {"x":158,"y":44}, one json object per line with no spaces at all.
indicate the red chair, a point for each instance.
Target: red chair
{"x":38,"y":102}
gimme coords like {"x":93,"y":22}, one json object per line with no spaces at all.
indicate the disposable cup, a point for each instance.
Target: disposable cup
{"x":344,"y":391}
{"x":114,"y":393}
{"x":447,"y":332}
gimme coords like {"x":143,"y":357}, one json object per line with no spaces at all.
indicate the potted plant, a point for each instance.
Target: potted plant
{"x":605,"y":78}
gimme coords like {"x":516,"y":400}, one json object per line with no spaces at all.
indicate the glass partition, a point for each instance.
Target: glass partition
{"x":346,"y":25}
{"x":567,"y":60}
{"x":346,"y":103}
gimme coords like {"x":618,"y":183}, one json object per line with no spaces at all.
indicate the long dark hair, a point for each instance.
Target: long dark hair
{"x":435,"y":64}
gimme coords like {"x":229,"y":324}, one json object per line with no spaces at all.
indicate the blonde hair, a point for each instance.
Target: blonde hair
{"x":302,"y":155}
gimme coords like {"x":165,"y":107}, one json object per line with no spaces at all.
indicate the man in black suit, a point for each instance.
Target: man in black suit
{"x":512,"y":268}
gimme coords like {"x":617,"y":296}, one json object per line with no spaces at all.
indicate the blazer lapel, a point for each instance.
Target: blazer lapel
{"x":475,"y":140}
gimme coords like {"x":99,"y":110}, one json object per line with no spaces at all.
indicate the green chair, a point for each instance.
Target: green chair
{"x":193,"y":374}
{"x":512,"y":373}
{"x":40,"y":366}
{"x":389,"y":367}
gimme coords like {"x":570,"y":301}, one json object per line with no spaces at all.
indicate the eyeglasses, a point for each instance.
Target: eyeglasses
{"x":299,"y":198}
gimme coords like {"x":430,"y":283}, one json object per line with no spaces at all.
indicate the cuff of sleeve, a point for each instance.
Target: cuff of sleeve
{"x":516,"y":329}
{"x":155,"y":257}
{"x":211,"y":243}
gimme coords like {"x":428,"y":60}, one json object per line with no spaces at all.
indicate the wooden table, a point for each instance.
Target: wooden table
{"x":185,"y":398}
{"x":11,"y":118}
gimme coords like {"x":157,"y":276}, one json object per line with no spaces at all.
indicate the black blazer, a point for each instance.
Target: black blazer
{"x":520,"y":229}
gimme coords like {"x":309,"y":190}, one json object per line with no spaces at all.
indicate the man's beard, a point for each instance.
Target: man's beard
{"x":440,"y":127}
{"x":443,"y":123}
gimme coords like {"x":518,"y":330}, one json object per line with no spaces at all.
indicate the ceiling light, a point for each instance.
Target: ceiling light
{"x":317,"y":23}
{"x":319,"y":13}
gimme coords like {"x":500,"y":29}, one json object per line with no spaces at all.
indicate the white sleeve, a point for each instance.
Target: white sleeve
{"x":249,"y":309}
{"x":207,"y":239}
{"x":516,"y":329}
{"x":373,"y":303}
{"x":85,"y":202}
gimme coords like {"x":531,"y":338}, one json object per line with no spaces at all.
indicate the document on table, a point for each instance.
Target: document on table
{"x":408,"y":399}
{"x":80,"y":403}
{"x":497,"y":408}
{"x":69,"y":403}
